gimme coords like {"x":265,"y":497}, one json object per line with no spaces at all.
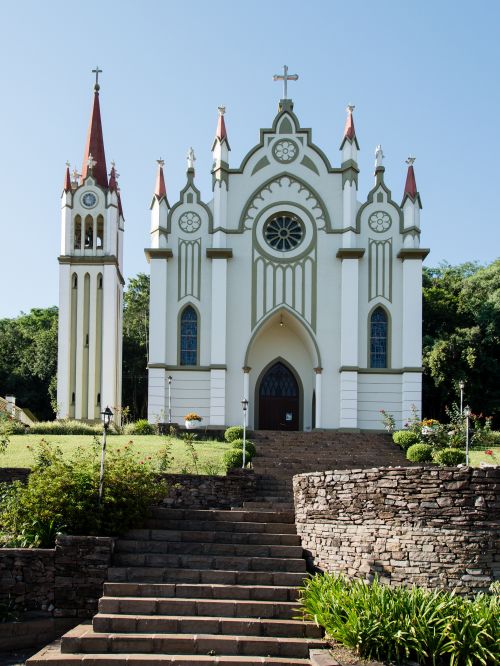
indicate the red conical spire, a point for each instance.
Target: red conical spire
{"x":349,"y":131}
{"x":67,"y":179}
{"x":94,"y":149}
{"x":221,"y":132}
{"x":160,"y":189}
{"x":411,"y":184}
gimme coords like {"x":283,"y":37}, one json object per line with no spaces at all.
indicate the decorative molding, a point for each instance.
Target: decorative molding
{"x":186,"y":368}
{"x":350,"y":253}
{"x":108,"y":259}
{"x":219,"y":253}
{"x":379,"y":371}
{"x":158,"y":253}
{"x":413,"y":253}
{"x":246,"y":369}
{"x":189,"y":268}
{"x":380,"y":269}
{"x":318,"y":370}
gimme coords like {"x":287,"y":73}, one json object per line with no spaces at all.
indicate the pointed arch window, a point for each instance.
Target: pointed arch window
{"x":378,"y":338}
{"x":89,"y":232}
{"x":100,"y":232}
{"x":77,"y":245}
{"x":189,"y":336}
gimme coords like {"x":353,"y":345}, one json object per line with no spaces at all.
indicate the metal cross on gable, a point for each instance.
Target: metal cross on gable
{"x":285,"y":77}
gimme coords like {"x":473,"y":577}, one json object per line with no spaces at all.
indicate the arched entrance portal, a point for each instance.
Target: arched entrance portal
{"x":279,"y":398}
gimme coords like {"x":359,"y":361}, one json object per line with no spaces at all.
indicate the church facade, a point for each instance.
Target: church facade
{"x":285,"y":289}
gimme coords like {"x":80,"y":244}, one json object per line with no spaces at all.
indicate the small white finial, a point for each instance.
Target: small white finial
{"x":191,"y":159}
{"x":410,"y":160}
{"x":75,"y":175}
{"x":91,"y":162}
{"x":222,"y":110}
{"x":161,"y":163}
{"x":68,"y":164}
{"x":379,"y":156}
{"x":350,"y":108}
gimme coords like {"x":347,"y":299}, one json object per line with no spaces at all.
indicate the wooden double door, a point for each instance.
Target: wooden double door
{"x":279,"y":399}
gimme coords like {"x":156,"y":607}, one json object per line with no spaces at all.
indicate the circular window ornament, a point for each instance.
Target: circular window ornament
{"x":285,"y":151}
{"x":379,"y":221}
{"x":89,"y":199}
{"x":283,"y":232}
{"x":190,"y":222}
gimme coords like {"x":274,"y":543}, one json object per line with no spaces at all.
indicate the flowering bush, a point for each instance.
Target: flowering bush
{"x":193,"y":416}
{"x":388,"y":420}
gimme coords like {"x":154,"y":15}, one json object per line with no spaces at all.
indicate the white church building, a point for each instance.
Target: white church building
{"x":284,"y":289}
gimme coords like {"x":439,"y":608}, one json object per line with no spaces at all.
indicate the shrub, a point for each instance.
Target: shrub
{"x":250,"y":449}
{"x":232,"y":458}
{"x":419,"y":453}
{"x":10,"y":426}
{"x":140,"y":427}
{"x":450,"y":457}
{"x":65,"y":427}
{"x":405,"y":438}
{"x":62,"y":494}
{"x":398,"y":624}
{"x":232,"y":433}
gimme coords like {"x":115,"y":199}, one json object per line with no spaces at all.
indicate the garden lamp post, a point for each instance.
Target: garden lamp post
{"x":107,"y":415}
{"x":461,"y":386}
{"x":244,"y":406}
{"x":467,"y":415}
{"x":169,"y":399}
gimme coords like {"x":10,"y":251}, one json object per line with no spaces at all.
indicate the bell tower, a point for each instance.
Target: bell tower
{"x":89,"y":374}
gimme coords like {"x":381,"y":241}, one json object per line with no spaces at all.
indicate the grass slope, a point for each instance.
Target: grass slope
{"x":209,"y":452}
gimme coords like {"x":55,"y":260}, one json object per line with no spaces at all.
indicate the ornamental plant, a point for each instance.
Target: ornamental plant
{"x":449,"y":456}
{"x":233,"y":432}
{"x":405,"y":438}
{"x":388,"y":420}
{"x":192,"y":416}
{"x":419,"y":453}
{"x":250,"y":449}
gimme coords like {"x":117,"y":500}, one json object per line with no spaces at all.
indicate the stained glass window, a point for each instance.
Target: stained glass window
{"x":279,"y":382}
{"x":378,"y":339}
{"x":189,"y":337}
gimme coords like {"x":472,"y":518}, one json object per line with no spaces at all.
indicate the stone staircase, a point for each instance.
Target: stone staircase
{"x":198,"y":587}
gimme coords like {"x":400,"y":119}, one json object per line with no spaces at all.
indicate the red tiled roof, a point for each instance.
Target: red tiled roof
{"x":67,"y":180}
{"x":95,"y":147}
{"x":160,"y":189}
{"x":411,"y":184}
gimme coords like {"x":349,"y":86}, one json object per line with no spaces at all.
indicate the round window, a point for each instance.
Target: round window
{"x":283,"y":232}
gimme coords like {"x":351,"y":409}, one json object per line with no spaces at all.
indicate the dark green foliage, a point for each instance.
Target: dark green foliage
{"x":419,"y":453}
{"x":140,"y":427}
{"x":135,"y":345}
{"x":405,"y":438}
{"x":10,"y":426}
{"x":28,"y":360}
{"x":233,"y":432}
{"x":232,"y":458}
{"x":450,"y":457}
{"x":249,"y":447}
{"x":62,"y":494}
{"x":394,"y":624}
{"x":65,"y":427}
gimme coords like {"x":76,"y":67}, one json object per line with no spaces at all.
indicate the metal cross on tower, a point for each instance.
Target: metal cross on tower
{"x":285,"y":78}
{"x":97,"y":71}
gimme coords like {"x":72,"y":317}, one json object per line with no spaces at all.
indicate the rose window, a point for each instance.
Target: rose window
{"x":190,"y":222}
{"x":283,"y":232}
{"x":285,"y":151}
{"x":379,"y":221}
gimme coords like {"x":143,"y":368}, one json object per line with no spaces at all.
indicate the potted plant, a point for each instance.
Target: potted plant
{"x":192,"y":420}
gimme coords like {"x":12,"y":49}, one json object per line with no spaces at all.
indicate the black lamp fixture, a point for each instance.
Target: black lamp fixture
{"x":107,"y":415}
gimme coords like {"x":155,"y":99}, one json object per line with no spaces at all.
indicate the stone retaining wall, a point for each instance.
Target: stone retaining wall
{"x":436,"y":527}
{"x":27,"y":577}
{"x":210,"y":492}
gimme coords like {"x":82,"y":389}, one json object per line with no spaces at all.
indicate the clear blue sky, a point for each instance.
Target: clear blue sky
{"x":424,"y":76}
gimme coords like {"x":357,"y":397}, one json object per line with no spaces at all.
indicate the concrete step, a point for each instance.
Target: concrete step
{"x":217,"y":515}
{"x":52,"y":656}
{"x":205,"y":607}
{"x":84,"y":640}
{"x":196,"y":591}
{"x":259,"y":526}
{"x":233,"y":626}
{"x":268,"y":505}
{"x":141,"y":547}
{"x":209,"y":562}
{"x":215,"y":536}
{"x":204,"y":576}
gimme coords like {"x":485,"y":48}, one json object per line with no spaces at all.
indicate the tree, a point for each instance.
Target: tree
{"x":462,"y":337}
{"x":135,"y":345}
{"x":28,"y":360}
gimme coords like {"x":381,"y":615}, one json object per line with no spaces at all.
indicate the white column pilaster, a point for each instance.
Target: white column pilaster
{"x":92,"y":344}
{"x":63,"y":342}
{"x":319,"y":397}
{"x":218,"y":342}
{"x":349,"y":333}
{"x":411,"y":390}
{"x":79,"y":346}
{"x":110,"y":356}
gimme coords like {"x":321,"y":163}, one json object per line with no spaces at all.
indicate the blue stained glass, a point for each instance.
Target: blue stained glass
{"x":189,"y":337}
{"x":378,"y":339}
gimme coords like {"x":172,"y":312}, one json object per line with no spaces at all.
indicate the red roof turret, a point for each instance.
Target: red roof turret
{"x":160,"y":189}
{"x":221,"y":132}
{"x":411,"y":183}
{"x":94,"y":148}
{"x":67,"y":179}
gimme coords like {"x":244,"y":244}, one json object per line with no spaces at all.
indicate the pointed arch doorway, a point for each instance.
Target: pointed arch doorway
{"x":279,"y":397}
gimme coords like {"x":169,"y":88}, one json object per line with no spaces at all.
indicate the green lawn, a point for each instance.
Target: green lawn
{"x":210,"y":453}
{"x":477,"y":457}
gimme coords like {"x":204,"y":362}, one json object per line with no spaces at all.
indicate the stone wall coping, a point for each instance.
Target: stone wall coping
{"x":322,"y":658}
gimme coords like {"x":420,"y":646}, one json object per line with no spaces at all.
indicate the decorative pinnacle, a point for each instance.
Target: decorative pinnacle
{"x":222,"y":110}
{"x":191,"y":159}
{"x":113,"y":168}
{"x":161,"y":163}
{"x":97,"y":71}
{"x":68,"y":164}
{"x":75,"y":175}
{"x":350,"y":108}
{"x":91,"y":162}
{"x":410,"y":160}
{"x":285,"y":77}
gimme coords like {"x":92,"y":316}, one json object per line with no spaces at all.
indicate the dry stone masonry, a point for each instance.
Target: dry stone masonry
{"x":429,"y":526}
